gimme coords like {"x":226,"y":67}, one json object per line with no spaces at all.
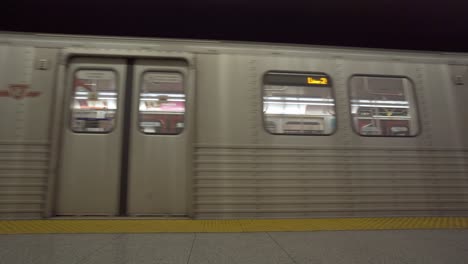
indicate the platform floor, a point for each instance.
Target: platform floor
{"x":337,"y":247}
{"x":404,"y":240}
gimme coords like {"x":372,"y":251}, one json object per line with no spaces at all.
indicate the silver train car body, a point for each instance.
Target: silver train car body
{"x":103,"y":126}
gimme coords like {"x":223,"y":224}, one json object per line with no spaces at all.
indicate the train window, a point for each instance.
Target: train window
{"x":298,"y":103}
{"x":383,"y":106}
{"x":94,"y":103}
{"x":162,"y":103}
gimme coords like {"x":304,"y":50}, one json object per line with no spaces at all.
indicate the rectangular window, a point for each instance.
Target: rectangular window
{"x":162,"y":103}
{"x":298,"y":103}
{"x":94,"y":104}
{"x":383,"y":106}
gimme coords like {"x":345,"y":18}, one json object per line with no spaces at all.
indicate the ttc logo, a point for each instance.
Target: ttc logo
{"x":18,"y":91}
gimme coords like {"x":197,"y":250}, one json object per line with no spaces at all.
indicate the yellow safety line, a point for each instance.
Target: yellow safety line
{"x":257,"y":225}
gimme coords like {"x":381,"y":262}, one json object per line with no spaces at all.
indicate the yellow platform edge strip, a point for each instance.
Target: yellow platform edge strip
{"x":56,"y":226}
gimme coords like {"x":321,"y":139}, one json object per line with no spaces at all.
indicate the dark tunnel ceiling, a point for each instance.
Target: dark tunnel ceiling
{"x":398,"y":24}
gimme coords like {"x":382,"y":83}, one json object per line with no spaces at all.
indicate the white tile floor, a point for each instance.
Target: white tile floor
{"x":410,"y":246}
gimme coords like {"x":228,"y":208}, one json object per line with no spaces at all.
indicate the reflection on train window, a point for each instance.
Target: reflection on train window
{"x":94,"y":103}
{"x":383,"y":106}
{"x":162,"y":103}
{"x":298,"y":103}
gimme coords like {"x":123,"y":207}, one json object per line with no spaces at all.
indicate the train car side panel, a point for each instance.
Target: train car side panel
{"x":26,"y":94}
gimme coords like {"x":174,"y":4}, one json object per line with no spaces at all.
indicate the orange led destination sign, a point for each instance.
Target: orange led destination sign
{"x":314,"y":80}
{"x":297,"y":79}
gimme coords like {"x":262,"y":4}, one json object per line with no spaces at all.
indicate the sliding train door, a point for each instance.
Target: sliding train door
{"x":89,"y":174}
{"x":160,"y":139}
{"x":127,"y":144}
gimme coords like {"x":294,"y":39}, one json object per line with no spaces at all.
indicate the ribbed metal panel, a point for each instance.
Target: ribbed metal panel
{"x":23,"y":178}
{"x":295,"y":181}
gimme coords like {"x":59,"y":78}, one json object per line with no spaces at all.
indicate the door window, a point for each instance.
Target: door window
{"x":94,"y":103}
{"x":162,"y":103}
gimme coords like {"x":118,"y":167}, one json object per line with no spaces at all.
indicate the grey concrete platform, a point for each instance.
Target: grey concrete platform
{"x":337,"y":247}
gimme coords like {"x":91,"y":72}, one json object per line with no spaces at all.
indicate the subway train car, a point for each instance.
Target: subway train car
{"x":135,"y":127}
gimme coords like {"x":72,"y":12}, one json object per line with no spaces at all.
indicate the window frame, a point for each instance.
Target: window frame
{"x":415,"y":100}
{"x":330,"y":85}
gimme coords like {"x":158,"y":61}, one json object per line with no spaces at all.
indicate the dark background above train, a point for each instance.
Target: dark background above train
{"x":397,"y":24}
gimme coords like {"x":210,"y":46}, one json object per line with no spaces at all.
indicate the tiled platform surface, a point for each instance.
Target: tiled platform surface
{"x":337,"y":247}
